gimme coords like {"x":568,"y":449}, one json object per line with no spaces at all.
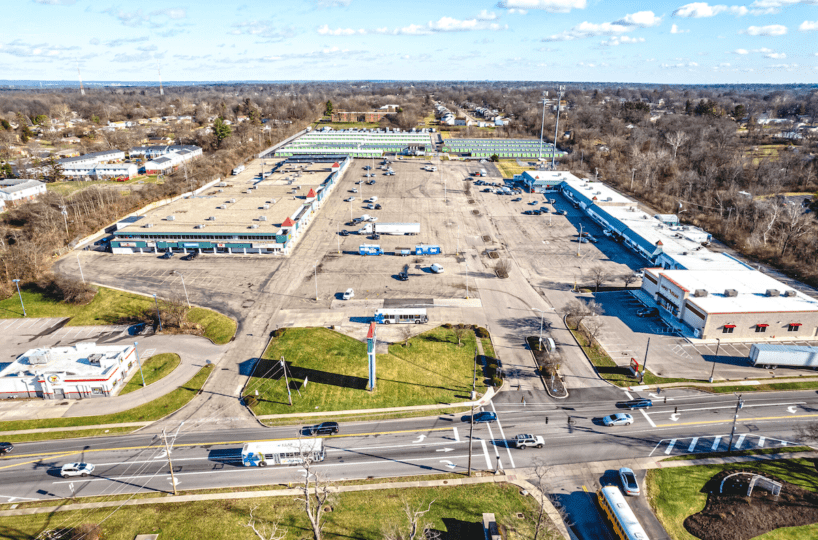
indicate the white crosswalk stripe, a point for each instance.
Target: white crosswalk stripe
{"x":716,"y":443}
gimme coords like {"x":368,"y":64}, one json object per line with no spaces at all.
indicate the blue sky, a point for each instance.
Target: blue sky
{"x":765,"y":41}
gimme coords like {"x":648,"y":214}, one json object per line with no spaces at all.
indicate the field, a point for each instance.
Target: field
{"x":456,"y":512}
{"x":510,"y":167}
{"x":154,"y":368}
{"x":431,"y":370}
{"x":68,"y":188}
{"x":677,"y":493}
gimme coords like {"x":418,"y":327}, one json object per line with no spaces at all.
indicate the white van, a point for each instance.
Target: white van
{"x":348,"y":294}
{"x":437,"y":269}
{"x":373,"y":199}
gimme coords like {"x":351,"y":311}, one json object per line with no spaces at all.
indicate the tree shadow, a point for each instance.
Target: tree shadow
{"x":457,"y":529}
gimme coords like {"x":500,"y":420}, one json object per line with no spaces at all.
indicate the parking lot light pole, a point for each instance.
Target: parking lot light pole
{"x":138,"y":361}
{"x":315,"y":267}
{"x":17,"y":282}
{"x":712,"y":371}
{"x":158,"y":316}
{"x":176,"y":272}
{"x":542,"y":319}
{"x":579,"y":240}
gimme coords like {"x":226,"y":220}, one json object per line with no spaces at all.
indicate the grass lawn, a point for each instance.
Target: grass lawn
{"x":361,"y":515}
{"x":363,"y":417}
{"x":219,"y":328}
{"x":433,"y":369}
{"x":488,"y":348}
{"x":148,"y":412}
{"x":59,"y":435}
{"x":109,"y":306}
{"x":765,"y":387}
{"x":509,"y":167}
{"x":675,"y":493}
{"x":154,"y":368}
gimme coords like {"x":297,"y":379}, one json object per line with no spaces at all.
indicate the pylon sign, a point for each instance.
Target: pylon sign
{"x":370,"y":352}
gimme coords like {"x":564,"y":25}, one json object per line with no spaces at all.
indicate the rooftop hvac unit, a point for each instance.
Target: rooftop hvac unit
{"x":222,"y":184}
{"x":790,"y":293}
{"x":221,"y":191}
{"x":772,"y":292}
{"x":700,"y":293}
{"x":171,"y":218}
{"x":262,"y":218}
{"x":39,"y":358}
{"x":199,"y":226}
{"x":731,"y":293}
{"x":221,"y":207}
{"x":609,"y":199}
{"x":95,"y":359}
{"x":148,"y":225}
{"x":232,"y":200}
{"x":211,"y":218}
{"x":254,"y":226}
{"x":266,"y":207}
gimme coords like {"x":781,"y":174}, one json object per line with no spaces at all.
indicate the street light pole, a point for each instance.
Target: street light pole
{"x":644,"y":364}
{"x":158,"y":316}
{"x":80,"y":265}
{"x":712,"y":371}
{"x":542,"y":319}
{"x":139,"y":361}
{"x":557,"y":127}
{"x":739,"y":405}
{"x":315,"y":267}
{"x":542,"y":128}
{"x":579,"y":240}
{"x":183,"y":286}
{"x":17,"y":282}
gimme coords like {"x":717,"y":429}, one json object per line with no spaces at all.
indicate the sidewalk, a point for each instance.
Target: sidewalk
{"x":704,"y":384}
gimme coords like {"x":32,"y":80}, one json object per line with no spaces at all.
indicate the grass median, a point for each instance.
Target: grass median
{"x":361,"y":515}
{"x":678,"y":492}
{"x":328,"y":371}
{"x":109,"y":306}
{"x":154,"y":368}
{"x":153,"y":410}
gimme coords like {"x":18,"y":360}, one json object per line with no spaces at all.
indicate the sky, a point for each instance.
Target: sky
{"x":671,"y":42}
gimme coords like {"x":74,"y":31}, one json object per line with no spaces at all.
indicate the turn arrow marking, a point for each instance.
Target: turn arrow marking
{"x":657,"y":397}
{"x":448,"y":463}
{"x":444,"y":450}
{"x":674,"y":417}
{"x":791,"y":409}
{"x":420,"y":439}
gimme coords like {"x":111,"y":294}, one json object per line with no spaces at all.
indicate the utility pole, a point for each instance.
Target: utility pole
{"x":170,"y":462}
{"x":287,"y":381}
{"x":644,"y":364}
{"x":557,"y":128}
{"x":315,"y":267}
{"x":542,"y":126}
{"x":739,"y":405}
{"x":183,"y":286}
{"x":712,"y":371}
{"x":17,"y":282}
{"x":138,"y":361}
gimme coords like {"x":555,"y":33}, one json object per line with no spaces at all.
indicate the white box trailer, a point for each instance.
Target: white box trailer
{"x":770,"y":355}
{"x":397,"y":229}
{"x":238,"y":170}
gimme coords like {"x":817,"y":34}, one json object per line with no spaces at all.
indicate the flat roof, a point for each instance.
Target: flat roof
{"x":604,"y":195}
{"x":750,"y":286}
{"x":73,"y":361}
{"x":276,"y":191}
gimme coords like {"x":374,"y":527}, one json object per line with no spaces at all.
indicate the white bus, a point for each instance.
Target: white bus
{"x":290,"y":452}
{"x":397,"y":316}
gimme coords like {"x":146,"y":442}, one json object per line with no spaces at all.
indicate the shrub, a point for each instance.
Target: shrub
{"x":251,"y":401}
{"x":497,"y":381}
{"x":481,"y":332}
{"x":86,"y":531}
{"x":278,"y":332}
{"x":66,"y":289}
{"x":447,"y":326}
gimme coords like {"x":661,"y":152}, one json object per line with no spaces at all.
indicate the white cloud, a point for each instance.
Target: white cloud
{"x":643,"y":19}
{"x":724,"y":64}
{"x":265,"y":30}
{"x":487,"y":15}
{"x":57,"y":2}
{"x":776,"y":56}
{"x":783,"y":66}
{"x":680,"y":65}
{"x":676,"y":30}
{"x":614,"y":41}
{"x":94,"y":41}
{"x":518,"y":11}
{"x":741,"y":51}
{"x":138,"y":18}
{"x":699,"y":10}
{"x":808,"y":26}
{"x":769,"y":30}
{"x":331,"y":3}
{"x":327,"y":31}
{"x":586,"y":29}
{"x":444,"y":24}
{"x":551,"y":6}
{"x":771,"y":7}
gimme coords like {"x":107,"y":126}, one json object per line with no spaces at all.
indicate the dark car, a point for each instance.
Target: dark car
{"x":648,"y":312}
{"x":375,"y":236}
{"x":529,"y":212}
{"x":640,"y":403}
{"x":544,"y":210}
{"x":344,"y":233}
{"x":6,"y":447}
{"x":562,"y":213}
{"x":167,"y":255}
{"x":403,"y":276}
{"x":324,"y":428}
{"x":378,"y":207}
{"x":190,"y":256}
{"x":484,"y":417}
{"x":536,"y":212}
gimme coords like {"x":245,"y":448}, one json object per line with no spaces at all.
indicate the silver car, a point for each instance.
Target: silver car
{"x":618,"y":419}
{"x":76,"y":469}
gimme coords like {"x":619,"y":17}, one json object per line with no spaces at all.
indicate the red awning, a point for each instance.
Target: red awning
{"x":762,"y":325}
{"x":795,"y":324}
{"x":729,"y":325}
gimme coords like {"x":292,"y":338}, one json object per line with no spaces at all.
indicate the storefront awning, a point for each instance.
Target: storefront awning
{"x":762,"y":325}
{"x":729,"y":325}
{"x":795,"y":324}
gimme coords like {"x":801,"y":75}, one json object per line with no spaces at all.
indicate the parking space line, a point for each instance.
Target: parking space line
{"x":740,"y":441}
{"x":761,"y":442}
{"x":670,"y":446}
{"x":716,"y":443}
{"x":693,"y":444}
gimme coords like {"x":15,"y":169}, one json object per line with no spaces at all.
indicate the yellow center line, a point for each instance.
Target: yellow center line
{"x":741,"y":419}
{"x":36,"y":460}
{"x":222,"y":443}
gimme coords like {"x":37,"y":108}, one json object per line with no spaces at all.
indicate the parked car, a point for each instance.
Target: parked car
{"x":484,"y":417}
{"x":403,"y":276}
{"x":618,"y":419}
{"x":606,"y":232}
{"x":518,"y":199}
{"x":533,"y":203}
{"x":562,"y":213}
{"x":536,"y":212}
{"x":640,"y":403}
{"x":378,"y":207}
{"x":76,"y":469}
{"x":6,"y":447}
{"x":344,"y":232}
{"x":544,"y":210}
{"x":353,"y":190}
{"x":592,"y":239}
{"x":324,"y":428}
{"x":529,"y":212}
{"x":582,"y":240}
{"x":367,"y":167}
{"x":348,"y":294}
{"x":552,"y":201}
{"x":167,"y":255}
{"x":524,"y":441}
{"x":370,"y":206}
{"x":375,"y":236}
{"x":639,"y":274}
{"x":629,"y":484}
{"x":190,"y":256}
{"x":648,"y":312}
{"x":436,"y":268}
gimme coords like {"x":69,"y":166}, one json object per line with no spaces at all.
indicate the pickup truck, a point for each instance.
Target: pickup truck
{"x":524,"y":441}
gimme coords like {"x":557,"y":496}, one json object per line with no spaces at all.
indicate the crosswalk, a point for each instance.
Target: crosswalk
{"x":716,"y":443}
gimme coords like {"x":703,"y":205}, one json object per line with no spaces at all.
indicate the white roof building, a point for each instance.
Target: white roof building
{"x":82,"y":371}
{"x":13,"y":191}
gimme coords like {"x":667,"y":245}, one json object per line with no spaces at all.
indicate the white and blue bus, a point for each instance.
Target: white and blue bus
{"x":622,"y":518}
{"x":289,"y":452}
{"x":402,"y":315}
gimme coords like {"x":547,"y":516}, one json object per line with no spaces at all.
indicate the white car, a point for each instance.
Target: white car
{"x":524,"y":441}
{"x":353,"y":190}
{"x":437,"y":269}
{"x":348,"y":294}
{"x":76,"y":469}
{"x":350,"y":199}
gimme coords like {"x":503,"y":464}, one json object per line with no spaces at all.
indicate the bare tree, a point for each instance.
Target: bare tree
{"x":503,"y":267}
{"x":316,"y":493}
{"x":592,"y":329}
{"x":807,"y":432}
{"x":459,"y":332}
{"x":577,"y":310}
{"x":795,"y":223}
{"x":599,"y":276}
{"x":628,"y":278}
{"x":413,"y":529}
{"x":770,"y":212}
{"x":544,"y":527}
{"x":263,"y":533}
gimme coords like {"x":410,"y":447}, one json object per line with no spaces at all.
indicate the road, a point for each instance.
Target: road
{"x":689,"y":422}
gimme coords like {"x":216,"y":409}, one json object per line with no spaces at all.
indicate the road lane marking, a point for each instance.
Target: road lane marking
{"x":505,"y":441}
{"x":743,"y":406}
{"x":56,"y":454}
{"x":693,"y":444}
{"x":456,"y":434}
{"x":629,"y":397}
{"x":647,"y":417}
{"x":486,"y":453}
{"x":740,"y":441}
{"x":761,"y":442}
{"x":742,"y":419}
{"x":716,"y":443}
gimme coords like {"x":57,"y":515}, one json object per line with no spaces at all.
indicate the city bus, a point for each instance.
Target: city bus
{"x":622,"y":518}
{"x":403,"y":315}
{"x":289,"y":452}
